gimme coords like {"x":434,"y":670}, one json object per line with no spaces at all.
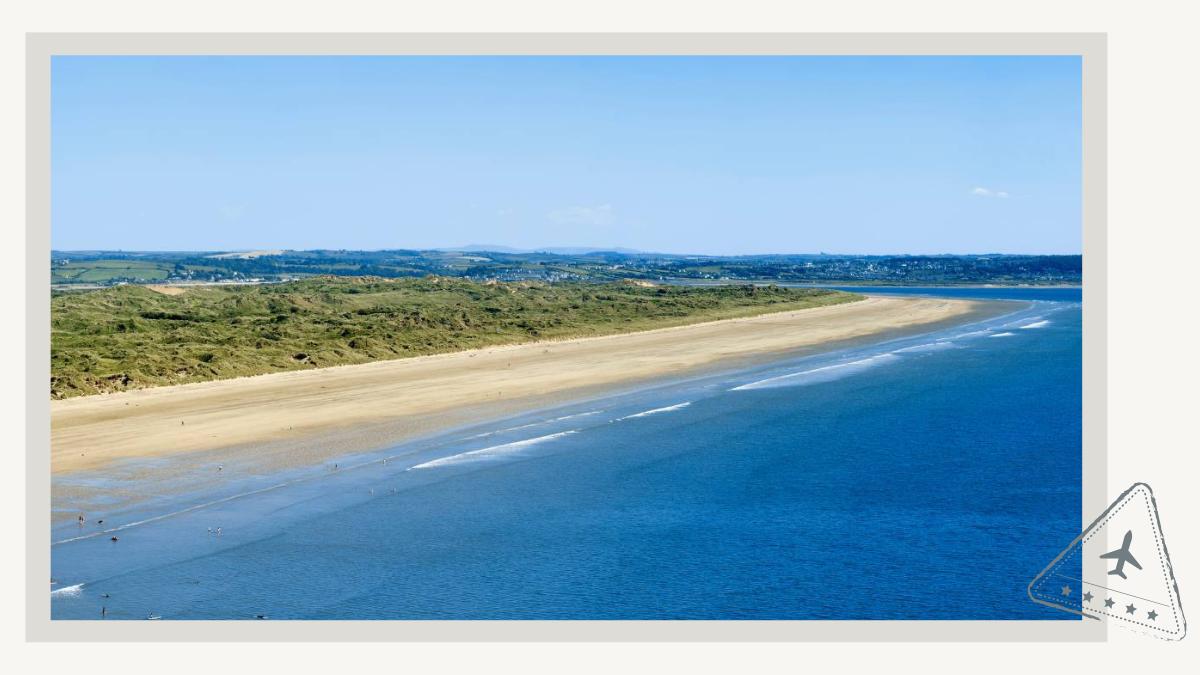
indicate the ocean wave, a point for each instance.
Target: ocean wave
{"x":533,"y":424}
{"x":1035,"y":324}
{"x":655,"y":411}
{"x":490,"y":452}
{"x":501,"y":431}
{"x":582,"y":414}
{"x":1004,"y":334}
{"x":927,"y":347}
{"x":1019,"y":321}
{"x":822,"y":374}
{"x":68,"y":591}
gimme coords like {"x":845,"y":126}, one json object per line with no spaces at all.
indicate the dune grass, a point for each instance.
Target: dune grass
{"x":132,"y":337}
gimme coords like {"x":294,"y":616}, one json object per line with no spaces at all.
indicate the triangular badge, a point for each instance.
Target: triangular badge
{"x":1118,"y":570}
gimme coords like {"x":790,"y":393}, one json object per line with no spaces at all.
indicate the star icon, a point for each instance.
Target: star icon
{"x":1130,"y":609}
{"x":1087,"y":597}
{"x":1108,"y":602}
{"x":1152,"y":615}
{"x":1066,"y":591}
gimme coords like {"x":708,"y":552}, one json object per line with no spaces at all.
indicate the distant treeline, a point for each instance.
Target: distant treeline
{"x":107,"y":267}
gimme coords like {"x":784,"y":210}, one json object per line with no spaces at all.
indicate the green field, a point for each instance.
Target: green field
{"x":108,"y":271}
{"x":131,"y":337}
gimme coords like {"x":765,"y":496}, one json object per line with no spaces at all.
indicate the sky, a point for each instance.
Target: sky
{"x":707,"y":155}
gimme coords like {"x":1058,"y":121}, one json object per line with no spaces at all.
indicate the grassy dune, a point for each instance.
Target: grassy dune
{"x":131,"y":337}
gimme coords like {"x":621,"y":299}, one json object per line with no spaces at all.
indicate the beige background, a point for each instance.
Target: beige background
{"x":1150,"y":421}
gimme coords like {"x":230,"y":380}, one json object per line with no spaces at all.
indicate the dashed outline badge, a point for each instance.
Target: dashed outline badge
{"x":1118,"y":570}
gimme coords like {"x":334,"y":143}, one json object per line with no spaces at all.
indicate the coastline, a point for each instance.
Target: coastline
{"x":304,"y":417}
{"x":870,"y":284}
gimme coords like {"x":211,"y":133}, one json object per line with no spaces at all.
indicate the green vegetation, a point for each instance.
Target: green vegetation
{"x":131,"y":337}
{"x":109,"y":271}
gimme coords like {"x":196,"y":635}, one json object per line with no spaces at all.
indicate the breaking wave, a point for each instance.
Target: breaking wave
{"x":822,"y":374}
{"x":68,"y":591}
{"x":490,"y":452}
{"x":928,"y":347}
{"x":655,"y":411}
{"x":534,"y":424}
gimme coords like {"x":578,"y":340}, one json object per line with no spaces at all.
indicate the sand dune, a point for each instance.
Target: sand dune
{"x":307,"y":408}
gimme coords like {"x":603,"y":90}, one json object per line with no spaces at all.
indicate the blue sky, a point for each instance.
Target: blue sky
{"x":716,"y":155}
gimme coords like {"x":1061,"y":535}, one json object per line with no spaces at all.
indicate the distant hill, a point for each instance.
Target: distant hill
{"x":478,"y":248}
{"x":248,"y":255}
{"x":557,"y":250}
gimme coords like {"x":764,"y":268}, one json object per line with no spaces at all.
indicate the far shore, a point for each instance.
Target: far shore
{"x":865,"y":284}
{"x":304,"y":417}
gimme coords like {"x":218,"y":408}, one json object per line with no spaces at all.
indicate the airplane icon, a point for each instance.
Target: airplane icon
{"x":1122,"y":556}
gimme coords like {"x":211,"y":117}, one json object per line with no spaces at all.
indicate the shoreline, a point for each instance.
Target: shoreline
{"x":303,"y":417}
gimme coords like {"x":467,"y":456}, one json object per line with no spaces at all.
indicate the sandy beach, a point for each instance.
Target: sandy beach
{"x":305,"y":416}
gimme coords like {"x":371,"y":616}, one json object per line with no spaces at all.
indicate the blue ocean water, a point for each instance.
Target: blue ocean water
{"x":925,"y":477}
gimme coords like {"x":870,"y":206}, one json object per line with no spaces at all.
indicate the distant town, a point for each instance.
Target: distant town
{"x":89,"y":269}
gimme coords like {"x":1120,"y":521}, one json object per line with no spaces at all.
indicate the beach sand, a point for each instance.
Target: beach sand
{"x":304,"y":417}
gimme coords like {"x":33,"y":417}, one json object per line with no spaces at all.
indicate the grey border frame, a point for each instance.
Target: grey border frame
{"x":40,"y":47}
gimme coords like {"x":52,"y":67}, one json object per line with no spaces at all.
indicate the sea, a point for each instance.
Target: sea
{"x":928,"y":476}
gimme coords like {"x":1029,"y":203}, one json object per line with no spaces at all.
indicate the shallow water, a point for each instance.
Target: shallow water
{"x":928,"y":477}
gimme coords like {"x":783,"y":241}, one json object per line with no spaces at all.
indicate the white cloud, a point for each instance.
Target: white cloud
{"x":985,"y":192}
{"x":582,"y":215}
